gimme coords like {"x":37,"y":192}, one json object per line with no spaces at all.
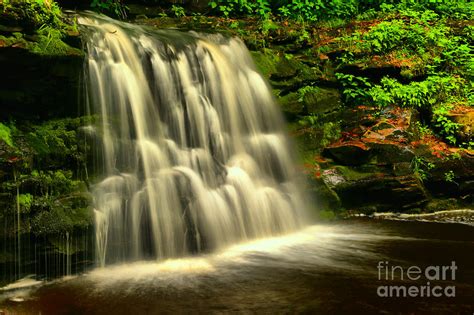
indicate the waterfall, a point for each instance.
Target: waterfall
{"x":193,"y":152}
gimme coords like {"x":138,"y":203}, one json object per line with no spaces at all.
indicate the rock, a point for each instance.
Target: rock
{"x":285,"y":69}
{"x":387,"y":152}
{"x":325,"y":197}
{"x":386,"y":193}
{"x":332,"y":178}
{"x":291,"y":106}
{"x":35,"y":86}
{"x":452,"y":176}
{"x":363,"y":188}
{"x":465,"y":118}
{"x":322,"y":100}
{"x":402,"y":169}
{"x":442,"y":204}
{"x":266,"y":61}
{"x":349,"y":152}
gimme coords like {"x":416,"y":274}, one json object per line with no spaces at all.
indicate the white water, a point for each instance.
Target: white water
{"x":193,"y":150}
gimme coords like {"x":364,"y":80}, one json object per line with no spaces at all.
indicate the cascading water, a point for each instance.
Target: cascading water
{"x":193,"y":149}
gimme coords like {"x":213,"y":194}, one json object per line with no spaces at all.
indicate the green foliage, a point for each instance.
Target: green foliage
{"x":421,"y":167}
{"x":50,"y":183}
{"x":355,"y":89}
{"x":50,"y":42}
{"x":5,"y":134}
{"x":54,"y":137}
{"x":437,"y":93}
{"x":25,"y":201}
{"x":396,"y":34}
{"x":306,"y":90}
{"x":423,"y":130}
{"x":241,"y":7}
{"x":56,"y":141}
{"x":59,"y":219}
{"x":178,"y":11}
{"x":32,"y":14}
{"x":318,"y":10}
{"x":444,"y":123}
{"x":324,"y":132}
{"x":113,"y":7}
{"x":449,"y":176}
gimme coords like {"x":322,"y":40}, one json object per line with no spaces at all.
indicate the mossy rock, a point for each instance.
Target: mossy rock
{"x":285,"y":69}
{"x":324,"y":197}
{"x":322,"y":101}
{"x":266,"y":61}
{"x":349,"y":153}
{"x":292,"y":106}
{"x":442,"y":204}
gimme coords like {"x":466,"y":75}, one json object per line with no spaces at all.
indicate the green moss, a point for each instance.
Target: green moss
{"x":56,"y":142}
{"x":42,"y":21}
{"x":5,"y":135}
{"x":50,"y":43}
{"x":31,"y":14}
{"x":351,"y":174}
{"x":25,"y":201}
{"x":266,"y":61}
{"x":326,"y":215}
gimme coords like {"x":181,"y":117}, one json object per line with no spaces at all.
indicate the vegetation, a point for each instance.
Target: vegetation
{"x":42,"y":176}
{"x":315,"y":10}
{"x":43,"y":19}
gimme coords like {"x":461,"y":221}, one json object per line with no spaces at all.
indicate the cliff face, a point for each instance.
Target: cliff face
{"x":44,"y":204}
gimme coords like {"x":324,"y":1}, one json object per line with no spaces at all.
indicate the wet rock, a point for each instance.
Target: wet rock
{"x":332,"y":178}
{"x":349,"y":152}
{"x":442,"y":204}
{"x":325,"y":197}
{"x":402,"y":192}
{"x":391,"y":152}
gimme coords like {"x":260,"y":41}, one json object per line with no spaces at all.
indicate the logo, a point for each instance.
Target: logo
{"x":433,"y":275}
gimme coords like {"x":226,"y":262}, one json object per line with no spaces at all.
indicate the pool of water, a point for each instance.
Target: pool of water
{"x":324,"y":269}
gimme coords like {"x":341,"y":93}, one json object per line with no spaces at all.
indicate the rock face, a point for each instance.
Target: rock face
{"x":381,"y":167}
{"x":43,"y":195}
{"x":33,"y":86}
{"x":368,"y":191}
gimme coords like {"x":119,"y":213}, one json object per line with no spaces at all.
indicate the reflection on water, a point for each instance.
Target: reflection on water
{"x":329,"y":269}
